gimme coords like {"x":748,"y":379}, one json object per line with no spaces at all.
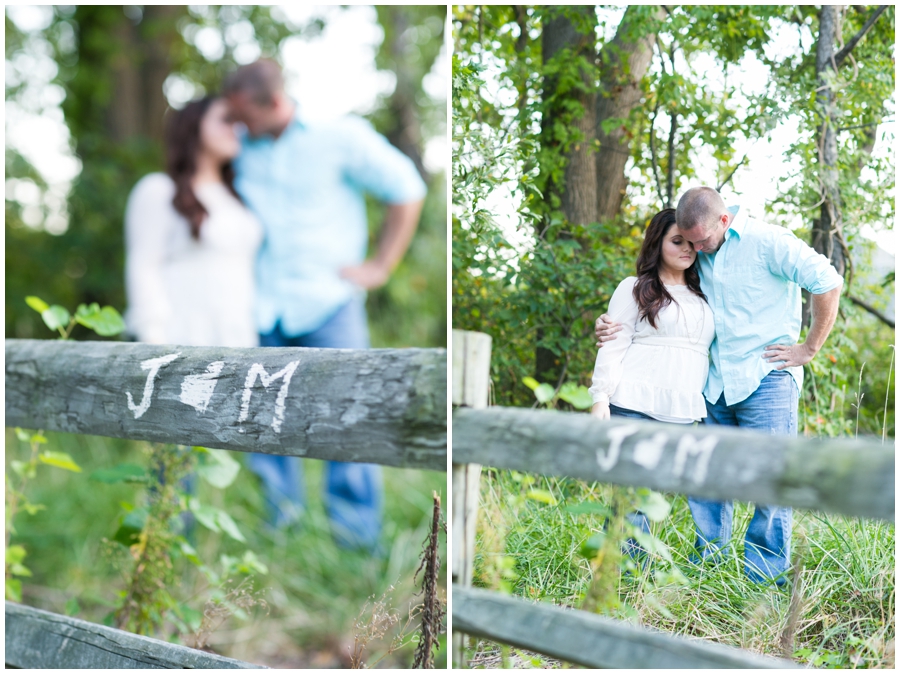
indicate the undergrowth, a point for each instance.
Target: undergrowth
{"x":841,"y":614}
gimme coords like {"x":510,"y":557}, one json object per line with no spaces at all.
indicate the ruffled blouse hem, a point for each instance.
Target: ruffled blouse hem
{"x":652,"y":400}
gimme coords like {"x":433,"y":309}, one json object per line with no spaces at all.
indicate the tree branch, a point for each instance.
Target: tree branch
{"x":730,"y":175}
{"x":872,"y":310}
{"x":653,"y":160}
{"x":843,"y":53}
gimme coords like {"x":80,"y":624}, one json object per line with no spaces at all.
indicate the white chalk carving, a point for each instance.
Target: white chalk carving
{"x":689,"y":446}
{"x":258,"y":370}
{"x":197,"y":389}
{"x":616,"y":436}
{"x":153,"y":365}
{"x":647,"y":453}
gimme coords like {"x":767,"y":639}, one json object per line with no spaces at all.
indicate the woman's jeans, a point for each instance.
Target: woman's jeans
{"x":772,"y":409}
{"x":637,"y":518}
{"x":353,"y":491}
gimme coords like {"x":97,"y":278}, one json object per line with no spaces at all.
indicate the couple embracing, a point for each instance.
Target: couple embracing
{"x":259,"y":239}
{"x":708,"y":331}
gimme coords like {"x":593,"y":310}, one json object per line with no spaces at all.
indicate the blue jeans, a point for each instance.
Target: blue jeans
{"x":637,"y":518}
{"x":353,"y":491}
{"x":771,"y":409}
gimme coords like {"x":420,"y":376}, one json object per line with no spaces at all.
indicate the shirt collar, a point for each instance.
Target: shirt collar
{"x":739,"y":223}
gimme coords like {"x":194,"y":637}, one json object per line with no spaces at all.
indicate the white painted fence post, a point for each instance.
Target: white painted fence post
{"x":471,"y":382}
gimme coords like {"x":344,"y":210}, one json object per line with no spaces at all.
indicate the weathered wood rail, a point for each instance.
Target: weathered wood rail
{"x":37,"y":639}
{"x":384,"y":406}
{"x":844,"y":476}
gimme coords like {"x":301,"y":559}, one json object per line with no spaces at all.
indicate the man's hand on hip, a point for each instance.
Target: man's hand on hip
{"x":369,"y":275}
{"x":605,"y":328}
{"x":792,"y":355}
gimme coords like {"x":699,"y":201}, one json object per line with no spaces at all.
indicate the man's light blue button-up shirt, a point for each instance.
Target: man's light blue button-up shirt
{"x":753,"y":286}
{"x":307,"y":188}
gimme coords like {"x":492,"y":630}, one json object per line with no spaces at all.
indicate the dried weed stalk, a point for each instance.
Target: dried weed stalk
{"x":239,"y":598}
{"x":432,"y":608}
{"x":372,"y":624}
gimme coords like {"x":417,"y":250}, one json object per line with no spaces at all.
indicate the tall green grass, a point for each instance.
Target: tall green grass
{"x":314,"y":589}
{"x":528,"y":544}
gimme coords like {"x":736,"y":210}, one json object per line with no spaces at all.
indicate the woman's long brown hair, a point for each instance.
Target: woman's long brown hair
{"x":649,"y":291}
{"x":182,"y":148}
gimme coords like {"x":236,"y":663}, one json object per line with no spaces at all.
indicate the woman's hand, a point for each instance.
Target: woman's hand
{"x":605,"y":329}
{"x":600,"y":410}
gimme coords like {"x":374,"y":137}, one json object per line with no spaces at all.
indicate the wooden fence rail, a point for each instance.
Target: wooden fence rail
{"x":37,"y":639}
{"x":846,"y":476}
{"x":385,"y":406}
{"x":591,"y":640}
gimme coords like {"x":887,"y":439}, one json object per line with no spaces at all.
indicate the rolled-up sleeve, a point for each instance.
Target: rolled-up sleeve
{"x":608,"y":366}
{"x":795,"y":261}
{"x":377,"y":167}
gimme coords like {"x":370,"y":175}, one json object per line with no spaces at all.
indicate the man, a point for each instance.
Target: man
{"x":751,"y":273}
{"x":306,"y":184}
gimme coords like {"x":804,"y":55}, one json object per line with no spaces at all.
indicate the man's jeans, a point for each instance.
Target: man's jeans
{"x":353,"y":491}
{"x":772,"y":409}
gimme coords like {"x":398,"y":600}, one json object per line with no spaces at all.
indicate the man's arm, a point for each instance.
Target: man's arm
{"x":400,"y":224}
{"x":823,"y":313}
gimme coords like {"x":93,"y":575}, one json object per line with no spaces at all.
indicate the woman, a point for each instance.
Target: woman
{"x":657,"y":365}
{"x":190,"y":243}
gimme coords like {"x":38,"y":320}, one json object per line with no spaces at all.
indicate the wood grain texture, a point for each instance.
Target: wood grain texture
{"x":590,"y":640}
{"x":37,"y":639}
{"x":385,"y":406}
{"x":846,"y":476}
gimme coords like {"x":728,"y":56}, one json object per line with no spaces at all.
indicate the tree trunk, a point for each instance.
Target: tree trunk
{"x":566,"y":30}
{"x":826,"y":236}
{"x":569,"y":29}
{"x":623,"y":64}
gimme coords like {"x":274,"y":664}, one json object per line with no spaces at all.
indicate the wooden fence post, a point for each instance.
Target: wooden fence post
{"x":471,"y":382}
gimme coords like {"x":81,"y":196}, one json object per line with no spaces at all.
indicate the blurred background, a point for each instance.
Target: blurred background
{"x":86,"y":91}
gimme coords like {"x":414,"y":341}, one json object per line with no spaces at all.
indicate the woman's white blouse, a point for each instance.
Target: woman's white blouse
{"x":658,"y":371}
{"x":187,"y":291}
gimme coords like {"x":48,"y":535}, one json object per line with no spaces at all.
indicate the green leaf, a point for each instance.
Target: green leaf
{"x":124,"y":472}
{"x":15,"y":554}
{"x":73,"y":607}
{"x":541,"y":495}
{"x":589,"y":508}
{"x":128,"y":532}
{"x":577,"y":396}
{"x":591,"y":546}
{"x":37,"y":304}
{"x":60,"y":460}
{"x":106,"y":322}
{"x":18,"y":467}
{"x":530,"y":382}
{"x":206,"y":515}
{"x":652,"y":544}
{"x":110,"y":322}
{"x":218,"y":468}
{"x":56,"y":317}
{"x":653,"y":504}
{"x":23,"y":435}
{"x":14,"y":590}
{"x":229,"y":527}
{"x":38,"y":439}
{"x":251,"y":564}
{"x":32,"y":508}
{"x":544,"y":393}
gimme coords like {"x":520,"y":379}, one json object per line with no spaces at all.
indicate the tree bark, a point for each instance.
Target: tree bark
{"x":623,"y":64}
{"x":578,"y":192}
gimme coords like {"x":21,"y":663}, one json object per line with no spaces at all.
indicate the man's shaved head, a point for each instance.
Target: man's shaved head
{"x":701,"y":206}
